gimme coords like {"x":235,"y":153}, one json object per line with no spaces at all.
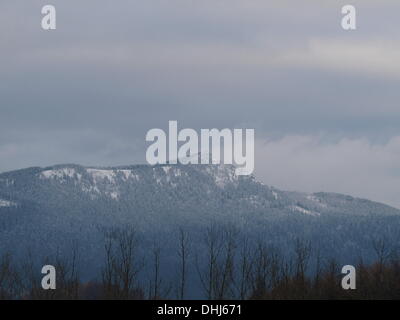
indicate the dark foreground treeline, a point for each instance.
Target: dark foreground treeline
{"x":228,"y":266}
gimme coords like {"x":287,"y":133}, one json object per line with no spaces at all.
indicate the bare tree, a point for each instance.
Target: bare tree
{"x":302,"y":255}
{"x":213,"y":245}
{"x":122,"y":264}
{"x":302,"y":251}
{"x":245,"y":269}
{"x":9,"y":278}
{"x":158,"y":289}
{"x":382,"y":250}
{"x":67,"y":275}
{"x":224,"y":280}
{"x":183,"y":254}
{"x":108,"y":274}
{"x":267,"y":270}
{"x":383,"y":253}
{"x":217,"y":272}
{"x":318,"y":269}
{"x":260,"y":271}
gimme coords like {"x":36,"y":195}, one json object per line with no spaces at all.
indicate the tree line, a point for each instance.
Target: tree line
{"x":227,"y":265}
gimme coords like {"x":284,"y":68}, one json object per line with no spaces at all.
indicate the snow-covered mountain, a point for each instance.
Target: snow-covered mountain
{"x":47,"y":210}
{"x":213,"y":187}
{"x":177,"y":183}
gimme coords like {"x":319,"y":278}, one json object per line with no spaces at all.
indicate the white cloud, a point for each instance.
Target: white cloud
{"x":371,"y":57}
{"x":352,"y":166}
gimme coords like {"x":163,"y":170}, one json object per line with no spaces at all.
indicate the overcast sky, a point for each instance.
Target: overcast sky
{"x":324,"y":101}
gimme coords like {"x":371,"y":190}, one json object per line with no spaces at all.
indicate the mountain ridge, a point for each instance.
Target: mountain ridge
{"x":223,"y":176}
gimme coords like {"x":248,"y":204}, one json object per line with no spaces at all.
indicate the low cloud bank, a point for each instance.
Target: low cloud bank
{"x":352,"y":166}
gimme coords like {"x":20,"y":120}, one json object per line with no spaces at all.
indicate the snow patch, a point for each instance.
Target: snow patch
{"x":222,"y":174}
{"x":7,"y":204}
{"x":312,"y":197}
{"x":90,"y":189}
{"x":128,"y":174}
{"x":101,"y":174}
{"x":60,"y":174}
{"x":114,"y":195}
{"x":7,"y":182}
{"x":166,"y":169}
{"x":304,"y":211}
